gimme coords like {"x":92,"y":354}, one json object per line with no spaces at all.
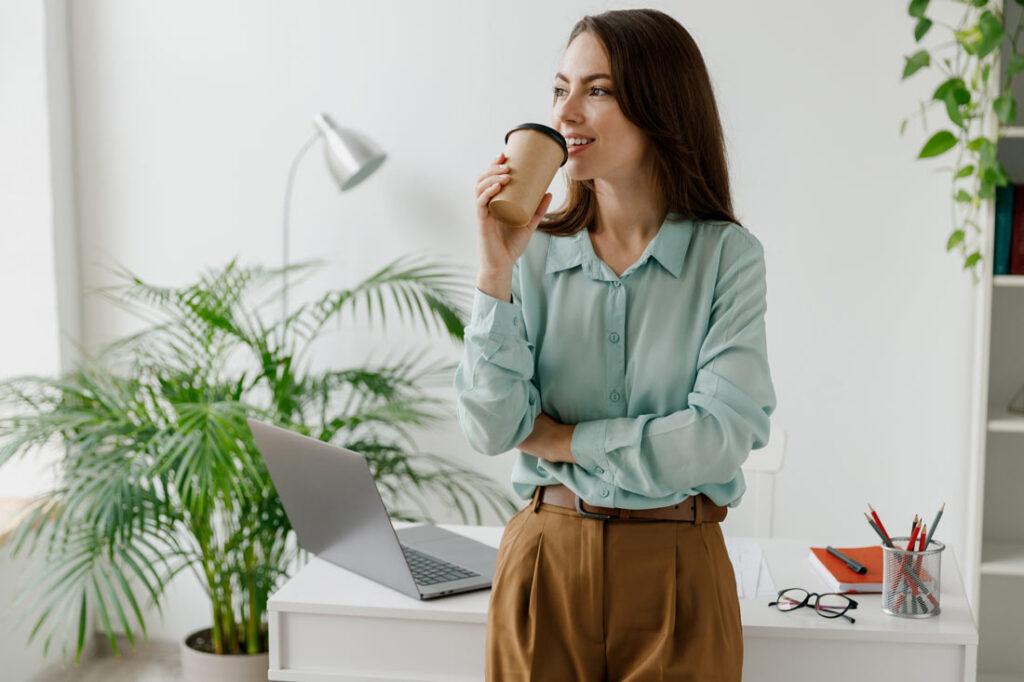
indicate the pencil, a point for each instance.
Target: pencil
{"x":935,"y":522}
{"x":879,"y":522}
{"x":874,"y":527}
{"x":913,"y":534}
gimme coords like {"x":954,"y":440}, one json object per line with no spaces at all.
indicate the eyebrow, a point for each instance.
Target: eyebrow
{"x":591,"y":77}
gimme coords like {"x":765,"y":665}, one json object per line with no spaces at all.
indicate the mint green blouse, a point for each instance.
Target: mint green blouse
{"x":664,"y":370}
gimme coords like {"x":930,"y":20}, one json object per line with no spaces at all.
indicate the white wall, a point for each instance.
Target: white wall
{"x":187,"y":114}
{"x":38,"y":310}
{"x":34,"y":327}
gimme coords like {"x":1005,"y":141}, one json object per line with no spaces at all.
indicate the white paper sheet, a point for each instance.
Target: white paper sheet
{"x":753,"y":578}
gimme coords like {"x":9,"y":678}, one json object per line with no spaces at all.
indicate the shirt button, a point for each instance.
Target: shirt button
{"x":614,"y":396}
{"x":604,"y":492}
{"x":613,"y":337}
{"x":599,"y":470}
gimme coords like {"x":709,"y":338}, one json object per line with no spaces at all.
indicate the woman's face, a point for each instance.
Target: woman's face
{"x":588,"y":108}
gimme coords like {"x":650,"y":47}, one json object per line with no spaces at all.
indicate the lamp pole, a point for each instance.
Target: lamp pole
{"x":285,"y":233}
{"x":351,"y":157}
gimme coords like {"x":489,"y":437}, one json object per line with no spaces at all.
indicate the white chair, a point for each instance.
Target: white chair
{"x":753,"y":518}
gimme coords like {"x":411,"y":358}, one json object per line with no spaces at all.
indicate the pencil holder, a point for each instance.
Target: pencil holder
{"x":910,"y":579}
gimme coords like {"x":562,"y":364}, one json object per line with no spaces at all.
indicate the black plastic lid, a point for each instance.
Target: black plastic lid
{"x":550,"y":132}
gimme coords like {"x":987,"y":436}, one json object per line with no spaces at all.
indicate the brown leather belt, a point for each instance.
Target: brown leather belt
{"x":696,"y":508}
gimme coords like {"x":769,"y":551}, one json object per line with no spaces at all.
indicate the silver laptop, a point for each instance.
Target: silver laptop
{"x":333,"y":504}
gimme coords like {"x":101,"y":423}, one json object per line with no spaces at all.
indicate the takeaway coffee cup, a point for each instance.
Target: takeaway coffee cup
{"x":534,"y":153}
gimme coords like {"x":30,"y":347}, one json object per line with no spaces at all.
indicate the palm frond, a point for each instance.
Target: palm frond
{"x":159,"y":473}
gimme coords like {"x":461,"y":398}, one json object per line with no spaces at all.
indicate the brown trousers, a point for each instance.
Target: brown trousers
{"x":587,"y":600}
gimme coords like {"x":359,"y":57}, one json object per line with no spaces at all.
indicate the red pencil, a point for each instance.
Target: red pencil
{"x":913,"y":534}
{"x":879,"y":522}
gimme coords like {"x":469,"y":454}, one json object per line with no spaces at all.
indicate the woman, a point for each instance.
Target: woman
{"x":619,"y":344}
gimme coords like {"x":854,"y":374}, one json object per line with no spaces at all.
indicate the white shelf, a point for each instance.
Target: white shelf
{"x":1006,"y":422}
{"x":1008,"y":280}
{"x":999,"y":677}
{"x":1012,"y":131}
{"x":1002,"y":558}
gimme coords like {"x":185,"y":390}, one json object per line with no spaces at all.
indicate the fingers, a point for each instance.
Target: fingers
{"x":488,"y":181}
{"x":497,"y":166}
{"x":492,"y":180}
{"x":485,"y":196}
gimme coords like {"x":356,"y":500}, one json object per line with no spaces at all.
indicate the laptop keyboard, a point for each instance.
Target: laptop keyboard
{"x":428,"y":570}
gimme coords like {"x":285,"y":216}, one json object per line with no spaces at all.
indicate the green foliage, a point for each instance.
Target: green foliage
{"x":159,"y":473}
{"x":968,"y":95}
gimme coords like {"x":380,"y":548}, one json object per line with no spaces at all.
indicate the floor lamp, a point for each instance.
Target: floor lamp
{"x":351,"y":157}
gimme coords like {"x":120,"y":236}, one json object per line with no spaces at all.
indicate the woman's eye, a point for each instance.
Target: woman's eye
{"x":558,"y":90}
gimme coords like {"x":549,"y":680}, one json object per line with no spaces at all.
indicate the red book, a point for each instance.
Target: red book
{"x":840,"y":578}
{"x":1017,"y":236}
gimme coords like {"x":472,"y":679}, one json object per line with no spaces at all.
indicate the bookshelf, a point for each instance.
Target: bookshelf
{"x":995,"y":552}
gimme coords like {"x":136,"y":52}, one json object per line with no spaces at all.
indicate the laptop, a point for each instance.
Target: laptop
{"x":332,"y":501}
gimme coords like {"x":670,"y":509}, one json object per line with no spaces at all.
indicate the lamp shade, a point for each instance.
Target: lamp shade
{"x":351,"y":156}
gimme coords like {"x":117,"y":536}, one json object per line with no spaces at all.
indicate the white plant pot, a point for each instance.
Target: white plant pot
{"x":200,"y":666}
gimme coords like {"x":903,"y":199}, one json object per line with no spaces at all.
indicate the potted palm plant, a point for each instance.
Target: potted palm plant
{"x":159,"y":473}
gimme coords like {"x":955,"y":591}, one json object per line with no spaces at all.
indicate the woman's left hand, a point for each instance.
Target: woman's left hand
{"x":549,"y":440}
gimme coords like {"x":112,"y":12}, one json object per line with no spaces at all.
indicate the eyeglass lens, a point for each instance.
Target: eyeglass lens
{"x":829,"y":605}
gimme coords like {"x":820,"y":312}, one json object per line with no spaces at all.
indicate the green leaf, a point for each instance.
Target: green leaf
{"x":955,"y":84}
{"x":954,"y":239}
{"x":1015,"y":64}
{"x":972,"y":259}
{"x":939,"y":143}
{"x":903,"y":126}
{"x":954,"y":99}
{"x":977,"y":143}
{"x":1006,"y":108}
{"x":917,"y":8}
{"x":992,"y":33}
{"x":964,"y":172}
{"x":921,"y":29}
{"x":916,"y":61}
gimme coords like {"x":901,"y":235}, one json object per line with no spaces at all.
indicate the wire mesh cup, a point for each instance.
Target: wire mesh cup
{"x":910,"y":579}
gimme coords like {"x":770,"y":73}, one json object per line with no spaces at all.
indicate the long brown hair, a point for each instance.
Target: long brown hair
{"x":664,"y":89}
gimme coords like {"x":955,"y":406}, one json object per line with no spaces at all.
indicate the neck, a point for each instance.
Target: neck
{"x":628,"y":212}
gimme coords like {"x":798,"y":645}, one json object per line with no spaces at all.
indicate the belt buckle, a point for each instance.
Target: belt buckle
{"x":586,"y":514}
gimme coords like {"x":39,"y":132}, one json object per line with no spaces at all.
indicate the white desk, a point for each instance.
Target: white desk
{"x":329,"y":624}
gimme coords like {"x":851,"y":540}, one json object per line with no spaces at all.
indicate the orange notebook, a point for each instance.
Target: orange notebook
{"x":840,"y":577}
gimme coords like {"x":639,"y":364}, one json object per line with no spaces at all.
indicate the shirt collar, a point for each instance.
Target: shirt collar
{"x":668,"y":248}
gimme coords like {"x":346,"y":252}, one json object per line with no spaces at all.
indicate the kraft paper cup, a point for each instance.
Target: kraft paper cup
{"x":534,"y":153}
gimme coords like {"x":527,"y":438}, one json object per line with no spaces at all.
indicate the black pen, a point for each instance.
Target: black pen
{"x":850,"y":563}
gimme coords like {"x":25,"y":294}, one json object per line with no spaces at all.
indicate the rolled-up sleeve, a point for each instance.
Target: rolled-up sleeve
{"x":497,"y":400}
{"x":728,"y":408}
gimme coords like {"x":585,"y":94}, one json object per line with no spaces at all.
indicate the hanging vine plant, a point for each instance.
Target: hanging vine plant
{"x":969,"y":96}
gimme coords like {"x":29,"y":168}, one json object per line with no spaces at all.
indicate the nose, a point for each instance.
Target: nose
{"x":566,"y":109}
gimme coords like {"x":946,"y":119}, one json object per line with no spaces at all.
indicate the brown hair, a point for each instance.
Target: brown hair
{"x":664,"y":89}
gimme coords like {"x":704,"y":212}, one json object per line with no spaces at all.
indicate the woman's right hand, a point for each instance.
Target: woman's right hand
{"x":501,"y":244}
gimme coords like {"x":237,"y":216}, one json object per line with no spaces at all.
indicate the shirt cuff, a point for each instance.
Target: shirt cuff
{"x":588,"y":448}
{"x":493,"y":315}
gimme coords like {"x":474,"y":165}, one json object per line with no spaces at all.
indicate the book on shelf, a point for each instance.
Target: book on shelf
{"x":1007,"y":203}
{"x":1008,"y":243}
{"x":1016,"y":247}
{"x":840,"y":578}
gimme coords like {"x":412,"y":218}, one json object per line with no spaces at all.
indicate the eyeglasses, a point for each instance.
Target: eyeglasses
{"x":828,"y":605}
